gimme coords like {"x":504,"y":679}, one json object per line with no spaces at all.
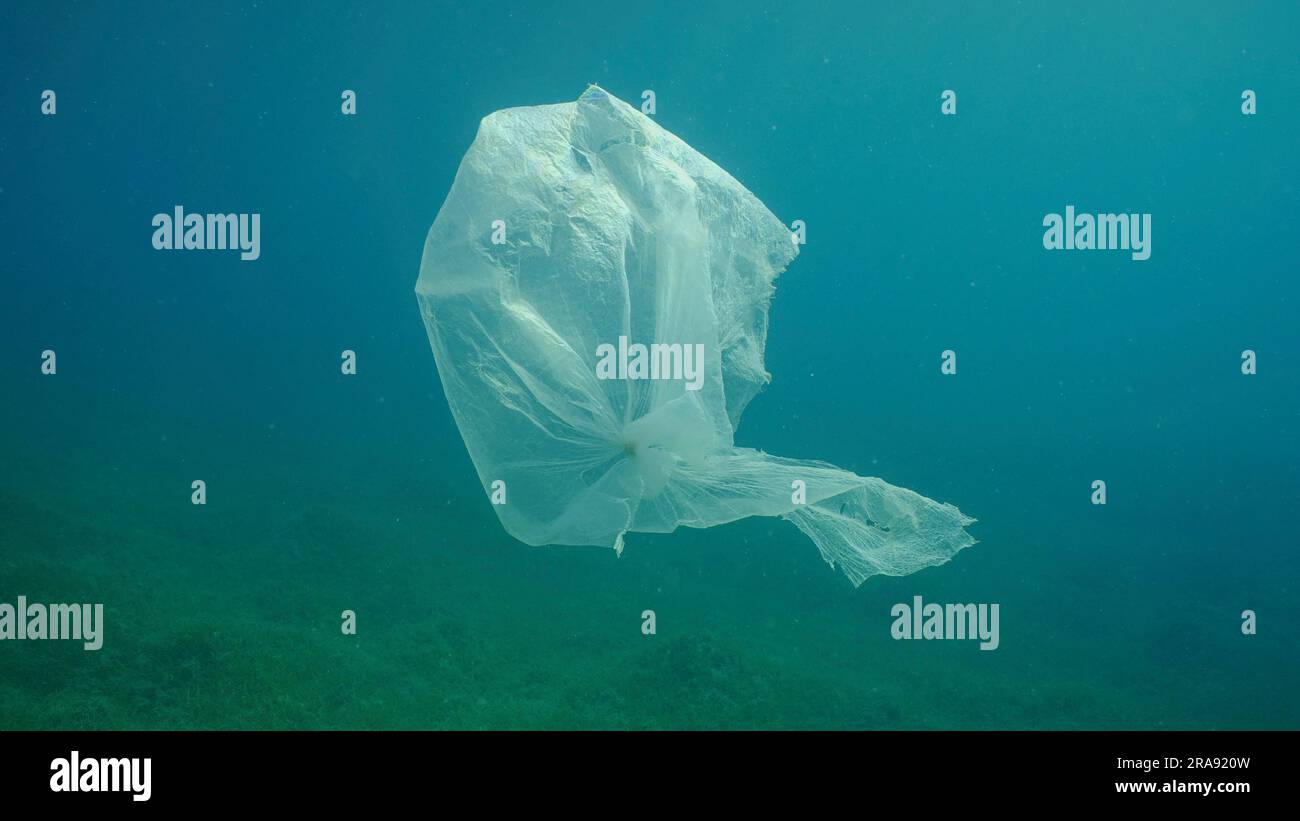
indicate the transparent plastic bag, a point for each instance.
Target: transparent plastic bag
{"x":575,"y":226}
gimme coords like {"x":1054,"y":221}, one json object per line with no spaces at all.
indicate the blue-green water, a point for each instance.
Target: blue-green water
{"x":329,"y":492}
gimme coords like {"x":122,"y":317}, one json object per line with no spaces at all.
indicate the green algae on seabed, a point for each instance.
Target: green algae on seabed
{"x":448,"y":641}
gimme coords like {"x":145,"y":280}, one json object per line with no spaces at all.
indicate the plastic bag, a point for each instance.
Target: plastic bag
{"x":574,"y":233}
